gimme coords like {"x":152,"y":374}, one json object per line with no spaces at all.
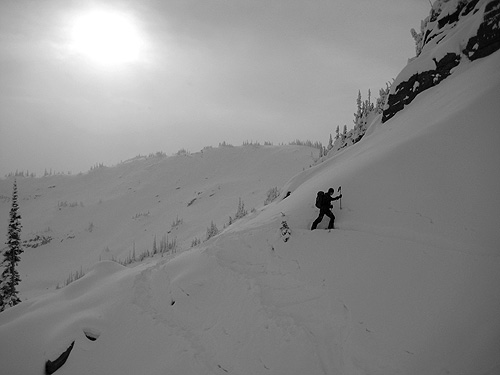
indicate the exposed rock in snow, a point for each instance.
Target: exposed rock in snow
{"x":407,"y":284}
{"x":456,"y":30}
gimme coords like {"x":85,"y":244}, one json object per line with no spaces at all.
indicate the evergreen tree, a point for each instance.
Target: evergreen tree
{"x":155,"y":248}
{"x":382,"y":99}
{"x":419,"y":37}
{"x":241,"y":212}
{"x":212,"y":230}
{"x":330,"y":142}
{"x":359,"y":111}
{"x":369,"y":99}
{"x":10,"y":277}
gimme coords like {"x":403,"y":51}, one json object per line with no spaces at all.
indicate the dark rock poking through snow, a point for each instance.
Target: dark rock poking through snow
{"x":53,"y":366}
{"x":91,"y":334}
{"x":438,"y":29}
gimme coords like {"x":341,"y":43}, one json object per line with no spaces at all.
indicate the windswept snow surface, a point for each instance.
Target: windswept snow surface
{"x":108,"y":212}
{"x":408,"y":284}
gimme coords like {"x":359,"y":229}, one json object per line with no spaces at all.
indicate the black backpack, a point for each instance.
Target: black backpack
{"x":319,"y":199}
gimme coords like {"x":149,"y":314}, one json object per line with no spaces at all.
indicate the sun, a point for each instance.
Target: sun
{"x":106,"y":37}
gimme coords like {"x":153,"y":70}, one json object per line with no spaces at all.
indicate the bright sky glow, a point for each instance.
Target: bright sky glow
{"x":106,"y":37}
{"x":165,"y":75}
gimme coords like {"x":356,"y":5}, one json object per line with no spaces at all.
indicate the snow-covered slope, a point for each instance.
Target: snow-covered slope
{"x":430,"y":174}
{"x":407,"y":284}
{"x":417,"y":257}
{"x":456,"y":31}
{"x":107,"y":212}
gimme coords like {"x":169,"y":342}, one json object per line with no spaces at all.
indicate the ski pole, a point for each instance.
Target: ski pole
{"x":340,"y":192}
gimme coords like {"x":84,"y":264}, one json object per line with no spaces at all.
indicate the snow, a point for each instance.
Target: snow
{"x":132,"y":202}
{"x":452,"y":38}
{"x":408,"y":284}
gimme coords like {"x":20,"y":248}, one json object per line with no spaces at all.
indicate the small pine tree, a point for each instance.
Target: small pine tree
{"x":272,"y":194}
{"x":241,"y":212}
{"x":212,"y":230}
{"x":155,"y":248}
{"x":419,"y":37}
{"x":359,"y":111}
{"x":382,"y":99}
{"x":330,"y":143}
{"x":163,"y":244}
{"x":10,"y":276}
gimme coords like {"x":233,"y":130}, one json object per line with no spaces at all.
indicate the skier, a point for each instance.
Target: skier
{"x":325,"y":206}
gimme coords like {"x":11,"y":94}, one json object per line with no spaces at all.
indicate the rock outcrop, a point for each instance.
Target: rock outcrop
{"x":53,"y":366}
{"x":456,"y":31}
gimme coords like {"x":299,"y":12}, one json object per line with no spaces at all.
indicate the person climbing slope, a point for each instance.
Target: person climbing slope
{"x":324,"y":203}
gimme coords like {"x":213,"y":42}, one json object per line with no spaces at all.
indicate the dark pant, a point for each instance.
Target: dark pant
{"x":322,"y":213}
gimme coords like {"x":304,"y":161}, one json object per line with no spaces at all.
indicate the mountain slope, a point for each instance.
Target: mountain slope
{"x":407,"y":284}
{"x":430,"y":173}
{"x":386,"y":293}
{"x":417,"y":257}
{"x":107,"y":212}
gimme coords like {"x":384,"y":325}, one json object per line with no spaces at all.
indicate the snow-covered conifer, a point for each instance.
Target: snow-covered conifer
{"x":241,"y":212}
{"x":359,"y":111}
{"x":212,"y":230}
{"x":382,"y":99}
{"x":155,"y":248}
{"x":10,"y":276}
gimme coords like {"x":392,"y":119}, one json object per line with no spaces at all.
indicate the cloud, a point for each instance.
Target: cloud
{"x":223,"y":70}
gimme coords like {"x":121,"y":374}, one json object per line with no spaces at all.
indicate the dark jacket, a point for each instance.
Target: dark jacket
{"x":327,"y":201}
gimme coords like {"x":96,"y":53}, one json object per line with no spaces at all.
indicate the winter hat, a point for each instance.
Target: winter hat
{"x":331,"y":191}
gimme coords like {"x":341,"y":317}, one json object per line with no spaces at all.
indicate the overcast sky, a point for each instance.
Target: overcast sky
{"x":187,"y":74}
